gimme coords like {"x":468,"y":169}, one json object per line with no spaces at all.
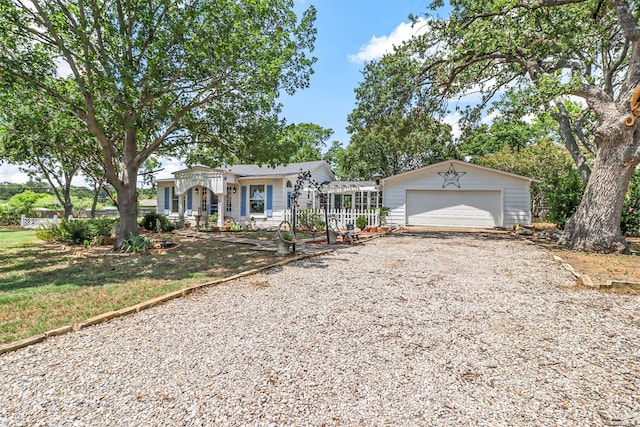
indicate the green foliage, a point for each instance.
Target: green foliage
{"x":101,"y":226}
{"x":506,"y":131}
{"x":9,"y":215}
{"x":25,"y":202}
{"x":310,"y":220}
{"x":361,"y":222}
{"x":76,"y":231}
{"x":389,"y":137}
{"x":288,"y":236}
{"x":49,"y":233}
{"x":565,"y":189}
{"x":149,"y":222}
{"x":160,"y":77}
{"x":545,"y":161}
{"x":10,"y":189}
{"x":308,"y":139}
{"x":630,"y":220}
{"x":136,"y":244}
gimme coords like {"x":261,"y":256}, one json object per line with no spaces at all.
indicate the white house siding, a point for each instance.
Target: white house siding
{"x":160,"y":186}
{"x":277,"y":203}
{"x":473,"y":180}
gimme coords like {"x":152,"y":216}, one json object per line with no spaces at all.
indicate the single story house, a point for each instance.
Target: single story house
{"x":239,"y":192}
{"x":458,"y":194}
{"x":447,"y":194}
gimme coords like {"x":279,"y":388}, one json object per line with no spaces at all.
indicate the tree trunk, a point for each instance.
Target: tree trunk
{"x":68,"y":210}
{"x":595,"y":226}
{"x":128,"y":210}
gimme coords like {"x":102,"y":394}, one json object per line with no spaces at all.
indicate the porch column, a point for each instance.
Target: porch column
{"x":222,"y":208}
{"x":181,"y":204}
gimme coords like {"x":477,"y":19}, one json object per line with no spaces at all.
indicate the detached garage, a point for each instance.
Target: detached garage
{"x":458,"y":194}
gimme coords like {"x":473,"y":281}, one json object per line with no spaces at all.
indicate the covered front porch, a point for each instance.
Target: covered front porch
{"x":200,"y":195}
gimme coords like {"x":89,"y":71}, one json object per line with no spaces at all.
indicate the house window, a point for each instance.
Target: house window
{"x":174,"y":200}
{"x":361,"y":201}
{"x":347,"y":201}
{"x":256,"y":199}
{"x":228,"y":201}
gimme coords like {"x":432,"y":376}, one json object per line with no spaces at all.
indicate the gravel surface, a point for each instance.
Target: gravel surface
{"x":411,"y":329}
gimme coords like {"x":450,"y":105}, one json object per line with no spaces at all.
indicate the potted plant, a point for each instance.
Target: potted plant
{"x":227,"y":224}
{"x":213,"y":218}
{"x":284,"y":238}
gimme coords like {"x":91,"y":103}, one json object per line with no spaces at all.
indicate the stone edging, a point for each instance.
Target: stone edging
{"x":15,"y":345}
{"x":615,"y":285}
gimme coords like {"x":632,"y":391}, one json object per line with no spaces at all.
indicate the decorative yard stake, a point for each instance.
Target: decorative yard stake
{"x":305,"y":176}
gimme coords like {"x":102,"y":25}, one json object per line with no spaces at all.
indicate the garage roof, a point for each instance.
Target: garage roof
{"x":460,"y":162}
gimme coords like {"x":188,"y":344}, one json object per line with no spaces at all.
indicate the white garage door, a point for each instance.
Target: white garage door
{"x":468,"y":209}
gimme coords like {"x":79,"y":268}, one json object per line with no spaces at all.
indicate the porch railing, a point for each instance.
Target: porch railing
{"x":343,"y":216}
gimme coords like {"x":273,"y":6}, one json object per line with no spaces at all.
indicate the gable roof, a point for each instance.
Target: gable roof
{"x":264,"y":171}
{"x":280,"y":170}
{"x":460,"y":162}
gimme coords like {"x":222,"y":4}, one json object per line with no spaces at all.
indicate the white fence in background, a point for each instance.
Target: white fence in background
{"x":343,"y":216}
{"x":37,"y":222}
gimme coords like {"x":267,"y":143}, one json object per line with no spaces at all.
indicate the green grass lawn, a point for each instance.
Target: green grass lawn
{"x":46,"y":286}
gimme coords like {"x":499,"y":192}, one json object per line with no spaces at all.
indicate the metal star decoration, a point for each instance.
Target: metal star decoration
{"x":451,"y":177}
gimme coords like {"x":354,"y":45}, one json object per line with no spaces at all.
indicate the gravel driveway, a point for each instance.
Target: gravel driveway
{"x":408,"y":330}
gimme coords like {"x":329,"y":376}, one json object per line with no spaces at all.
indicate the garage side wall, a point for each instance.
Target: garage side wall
{"x":515,"y":201}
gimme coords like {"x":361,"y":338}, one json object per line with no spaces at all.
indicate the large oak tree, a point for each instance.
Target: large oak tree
{"x":542,"y":52}
{"x":391,"y":129}
{"x":158,"y":76}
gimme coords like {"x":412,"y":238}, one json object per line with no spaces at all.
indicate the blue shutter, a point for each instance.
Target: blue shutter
{"x":167,"y":198}
{"x":212,"y":204}
{"x":269,"y":200}
{"x":243,"y":200}
{"x":190,"y":199}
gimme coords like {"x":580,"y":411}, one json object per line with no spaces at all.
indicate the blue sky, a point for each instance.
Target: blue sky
{"x":350,"y":32}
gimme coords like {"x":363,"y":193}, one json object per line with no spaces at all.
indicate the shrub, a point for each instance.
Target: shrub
{"x":9,"y":215}
{"x":361,"y":222}
{"x":48,"y":233}
{"x":566,"y":190}
{"x":74,"y":231}
{"x":149,"y":222}
{"x":630,"y":220}
{"x":101,"y":226}
{"x":136,"y":243}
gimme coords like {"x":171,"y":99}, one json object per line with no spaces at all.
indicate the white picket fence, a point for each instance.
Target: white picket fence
{"x":37,"y":222}
{"x":343,"y":216}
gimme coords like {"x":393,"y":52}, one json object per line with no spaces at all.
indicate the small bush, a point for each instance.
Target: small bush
{"x":136,"y":243}
{"x":48,"y":233}
{"x":149,"y":222}
{"x":566,"y":190}
{"x":76,"y":231}
{"x":101,"y":226}
{"x":9,"y":215}
{"x":630,"y":220}
{"x":361,"y":222}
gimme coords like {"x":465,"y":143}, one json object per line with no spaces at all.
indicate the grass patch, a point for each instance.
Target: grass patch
{"x":43,"y":287}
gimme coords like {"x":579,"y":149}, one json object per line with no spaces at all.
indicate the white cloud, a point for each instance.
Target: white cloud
{"x":454,"y":121}
{"x":11,"y":173}
{"x":379,"y":46}
{"x":489,"y":118}
{"x":170,"y":165}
